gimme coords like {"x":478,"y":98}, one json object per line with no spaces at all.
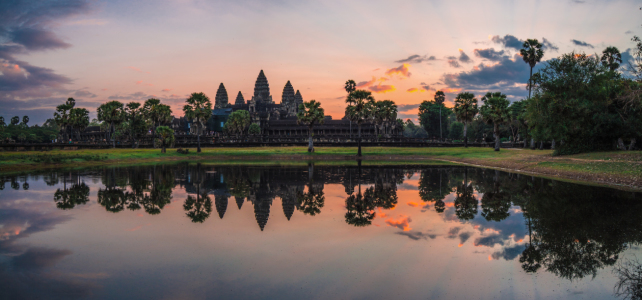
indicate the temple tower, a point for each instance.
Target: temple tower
{"x":221,"y":100}
{"x":262,"y":89}
{"x":287,"y":99}
{"x":239,"y":99}
{"x":298,"y":99}
{"x":220,"y":201}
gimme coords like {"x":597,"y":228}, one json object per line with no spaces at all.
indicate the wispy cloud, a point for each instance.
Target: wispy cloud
{"x":416,"y":58}
{"x":402,"y":70}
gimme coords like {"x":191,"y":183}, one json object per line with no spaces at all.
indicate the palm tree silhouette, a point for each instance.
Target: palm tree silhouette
{"x":531,"y":54}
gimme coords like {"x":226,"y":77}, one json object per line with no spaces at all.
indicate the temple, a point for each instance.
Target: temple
{"x":279,"y":119}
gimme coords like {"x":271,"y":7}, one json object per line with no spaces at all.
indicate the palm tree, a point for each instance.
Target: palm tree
{"x":61,"y":115}
{"x":112,"y":113}
{"x":157,"y":113}
{"x":611,"y":58}
{"x":310,"y":113}
{"x":389,"y":113}
{"x":135,"y":119}
{"x":440,"y":98}
{"x":465,"y":111}
{"x":350,"y":87}
{"x":165,"y":136}
{"x":495,"y":111}
{"x":531,"y":54}
{"x":360,"y":109}
{"x":199,"y":110}
{"x":78,"y":120}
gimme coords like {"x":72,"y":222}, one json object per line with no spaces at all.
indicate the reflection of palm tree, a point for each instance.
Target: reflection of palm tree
{"x":440,"y":206}
{"x":496,"y":202}
{"x":68,"y":198}
{"x":465,"y":201}
{"x":310,"y":202}
{"x":433,"y":186}
{"x":360,"y":210}
{"x":199,"y":208}
{"x":112,"y":198}
{"x":220,"y":201}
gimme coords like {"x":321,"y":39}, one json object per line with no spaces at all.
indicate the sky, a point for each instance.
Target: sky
{"x":98,"y":51}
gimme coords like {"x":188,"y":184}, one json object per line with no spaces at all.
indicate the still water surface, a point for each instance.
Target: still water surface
{"x":198,"y":231}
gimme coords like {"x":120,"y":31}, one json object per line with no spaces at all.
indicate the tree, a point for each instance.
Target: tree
{"x":384,"y":115}
{"x":2,"y":124}
{"x":25,"y":120}
{"x":198,"y":109}
{"x":15,"y":120}
{"x":350,"y":87}
{"x":78,"y":120}
{"x":495,"y":111}
{"x":62,"y":118}
{"x":440,"y":97}
{"x":310,"y":114}
{"x":359,"y":110}
{"x":136,"y":121}
{"x":465,"y":110}
{"x":237,"y":122}
{"x":22,"y":137}
{"x":531,"y":53}
{"x":611,"y":58}
{"x":157,"y":114}
{"x":254,"y":129}
{"x":112,"y":113}
{"x":430,"y":117}
{"x":165,"y":136}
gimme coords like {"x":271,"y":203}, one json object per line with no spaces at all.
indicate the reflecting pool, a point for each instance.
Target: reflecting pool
{"x":204,"y":231}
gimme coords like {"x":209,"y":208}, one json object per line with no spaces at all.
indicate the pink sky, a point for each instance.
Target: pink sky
{"x":104,"y":50}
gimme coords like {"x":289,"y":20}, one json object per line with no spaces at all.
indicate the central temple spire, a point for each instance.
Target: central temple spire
{"x":262,"y":89}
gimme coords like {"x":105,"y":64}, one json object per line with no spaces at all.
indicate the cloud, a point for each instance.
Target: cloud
{"x":402,"y":223}
{"x":453,"y":231}
{"x":166,"y":90}
{"x":508,"y":41}
{"x":416,"y":235}
{"x":507,"y":75}
{"x":412,"y":90}
{"x":416,"y":58}
{"x":628,"y":32}
{"x":425,"y":87}
{"x":382,"y":88}
{"x":401,"y":71}
{"x":581,"y":43}
{"x":25,"y":26}
{"x":489,"y":241}
{"x":547,"y":45}
{"x":36,"y":258}
{"x":407,"y":107}
{"x":490,"y":54}
{"x":509,"y":253}
{"x":452,"y":61}
{"x":363,"y":84}
{"x":84,"y":94}
{"x":464,"y":236}
{"x":464,"y":58}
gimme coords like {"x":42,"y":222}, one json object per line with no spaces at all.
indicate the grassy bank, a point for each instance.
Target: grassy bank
{"x":609,"y":168}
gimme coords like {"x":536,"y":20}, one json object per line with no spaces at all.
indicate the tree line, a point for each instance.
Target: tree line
{"x":583,"y":102}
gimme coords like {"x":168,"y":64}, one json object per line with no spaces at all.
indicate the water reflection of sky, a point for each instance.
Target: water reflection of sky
{"x":409,"y":251}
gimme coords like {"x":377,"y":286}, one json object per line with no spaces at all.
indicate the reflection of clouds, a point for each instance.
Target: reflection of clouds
{"x":464,"y":236}
{"x":36,"y":258}
{"x":509,"y":253}
{"x":402,"y":223}
{"x":489,"y":241}
{"x":417,"y":235}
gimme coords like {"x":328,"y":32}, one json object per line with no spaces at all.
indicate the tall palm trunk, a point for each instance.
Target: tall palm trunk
{"x":113,"y":140}
{"x":465,"y":135}
{"x":632,"y":144}
{"x":163,"y":150}
{"x":530,"y":83}
{"x":359,"y":141}
{"x":496,"y":133}
{"x":198,"y":138}
{"x":154,"y":135}
{"x":532,"y":143}
{"x":310,"y":143}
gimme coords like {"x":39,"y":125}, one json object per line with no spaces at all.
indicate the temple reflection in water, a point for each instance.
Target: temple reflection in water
{"x":572,"y":231}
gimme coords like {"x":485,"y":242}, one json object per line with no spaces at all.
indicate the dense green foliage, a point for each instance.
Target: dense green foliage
{"x":237,"y":123}
{"x":433,"y":116}
{"x":310,"y":114}
{"x":198,"y":109}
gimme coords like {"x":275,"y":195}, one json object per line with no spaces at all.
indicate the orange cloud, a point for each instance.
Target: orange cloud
{"x":382,"y":88}
{"x":139,"y":82}
{"x":363,"y":84}
{"x":402,"y":223}
{"x":449,"y":90}
{"x":401,"y":71}
{"x":166,"y":90}
{"x":413,"y":204}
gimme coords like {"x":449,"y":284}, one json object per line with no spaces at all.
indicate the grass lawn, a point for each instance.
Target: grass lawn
{"x":622,"y":168}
